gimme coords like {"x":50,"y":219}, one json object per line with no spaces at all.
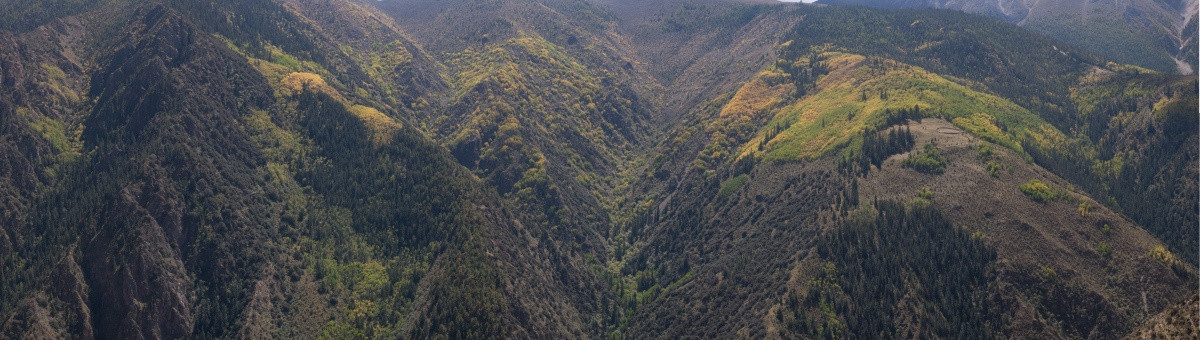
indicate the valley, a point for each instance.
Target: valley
{"x":584,"y":169}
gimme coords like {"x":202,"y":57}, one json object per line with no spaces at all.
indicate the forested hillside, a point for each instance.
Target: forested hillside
{"x":582,"y":169}
{"x":1155,"y":34}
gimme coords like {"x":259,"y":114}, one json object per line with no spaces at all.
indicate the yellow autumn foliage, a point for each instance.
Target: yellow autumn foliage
{"x":382,"y":127}
{"x":298,"y":82}
{"x":756,"y":97}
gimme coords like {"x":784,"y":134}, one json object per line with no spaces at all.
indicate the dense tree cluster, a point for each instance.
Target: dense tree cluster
{"x":905,"y":272}
{"x":879,"y":146}
{"x":927,"y":160}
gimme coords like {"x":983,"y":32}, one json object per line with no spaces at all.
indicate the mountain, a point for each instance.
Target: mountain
{"x":1157,"y":35}
{"x":582,"y":169}
{"x":221,"y":185}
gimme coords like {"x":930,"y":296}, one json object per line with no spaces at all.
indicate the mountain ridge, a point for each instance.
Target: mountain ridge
{"x":569,"y":168}
{"x":1151,"y":34}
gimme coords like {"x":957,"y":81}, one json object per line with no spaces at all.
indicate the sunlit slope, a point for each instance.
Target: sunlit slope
{"x":862,"y":94}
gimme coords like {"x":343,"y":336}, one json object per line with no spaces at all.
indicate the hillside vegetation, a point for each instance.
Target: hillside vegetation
{"x":1153,"y":34}
{"x":580,"y":169}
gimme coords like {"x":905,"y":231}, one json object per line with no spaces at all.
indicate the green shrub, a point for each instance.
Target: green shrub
{"x":1084,"y":209}
{"x":994,"y":168}
{"x":929,"y":160}
{"x":925,"y":193}
{"x":1040,"y":191}
{"x":1163,"y":255}
{"x":731,"y":185}
{"x":1049,"y":273}
{"x":1104,"y":249}
{"x":918,"y":203}
{"x":986,"y":151}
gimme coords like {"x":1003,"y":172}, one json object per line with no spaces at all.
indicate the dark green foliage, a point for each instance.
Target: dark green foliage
{"x":399,"y":192}
{"x":405,"y":197}
{"x":257,"y":25}
{"x":1110,"y":37}
{"x":188,"y":218}
{"x":1135,"y":37}
{"x":815,"y":314}
{"x":927,"y":160}
{"x":904,"y":261}
{"x":732,"y":184}
{"x":1153,"y":149}
{"x":877,"y":147}
{"x":1036,"y":73}
{"x":469,"y":305}
{"x":175,"y":216}
{"x":801,"y":74}
{"x":691,"y":16}
{"x":1081,"y":312}
{"x":23,"y":15}
{"x":168,"y":170}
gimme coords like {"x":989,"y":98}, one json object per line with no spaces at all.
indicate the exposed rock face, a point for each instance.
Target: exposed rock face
{"x":139,"y":281}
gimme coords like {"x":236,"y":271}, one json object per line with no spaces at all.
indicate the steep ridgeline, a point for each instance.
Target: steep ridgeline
{"x":545,"y":106}
{"x":1108,"y":114}
{"x":1155,"y":34}
{"x":581,"y":169}
{"x":350,"y":46}
{"x":194,"y":178}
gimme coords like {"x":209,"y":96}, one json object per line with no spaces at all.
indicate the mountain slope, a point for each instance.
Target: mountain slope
{"x":697,"y":50}
{"x":545,"y":106}
{"x":580,"y":169}
{"x":1052,"y":81}
{"x":1151,"y":34}
{"x":242,"y":206}
{"x":1177,"y":321}
{"x":733,"y":200}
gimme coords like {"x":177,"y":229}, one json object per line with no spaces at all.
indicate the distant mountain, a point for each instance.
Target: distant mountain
{"x":582,"y":169}
{"x":1155,"y":34}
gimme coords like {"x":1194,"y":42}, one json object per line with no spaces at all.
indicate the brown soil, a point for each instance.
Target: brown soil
{"x":1031,"y":236}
